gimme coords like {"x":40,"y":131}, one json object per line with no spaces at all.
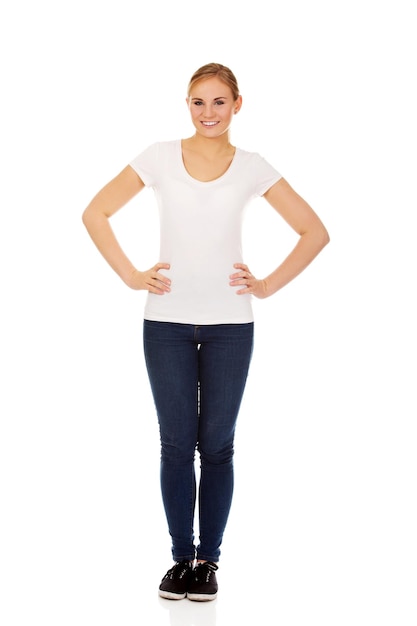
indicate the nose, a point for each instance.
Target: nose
{"x":208,"y":111}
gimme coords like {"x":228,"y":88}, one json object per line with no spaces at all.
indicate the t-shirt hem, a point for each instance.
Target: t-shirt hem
{"x":199,"y":321}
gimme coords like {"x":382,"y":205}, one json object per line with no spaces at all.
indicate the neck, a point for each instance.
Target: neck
{"x":213,"y":145}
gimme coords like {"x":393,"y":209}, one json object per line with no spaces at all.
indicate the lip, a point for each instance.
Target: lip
{"x":209,"y":124}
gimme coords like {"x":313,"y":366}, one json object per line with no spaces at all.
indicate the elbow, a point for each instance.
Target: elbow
{"x":319,"y":239}
{"x":323,"y":241}
{"x":86,"y":217}
{"x":318,"y":236}
{"x":325,"y":237}
{"x":321,"y":235}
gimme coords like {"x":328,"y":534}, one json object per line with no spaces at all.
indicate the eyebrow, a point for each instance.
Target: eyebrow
{"x":218,"y":98}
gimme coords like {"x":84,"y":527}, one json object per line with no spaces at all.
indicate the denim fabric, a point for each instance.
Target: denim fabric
{"x":197,"y":376}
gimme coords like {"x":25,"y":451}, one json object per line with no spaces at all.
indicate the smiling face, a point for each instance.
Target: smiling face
{"x":212,"y":106}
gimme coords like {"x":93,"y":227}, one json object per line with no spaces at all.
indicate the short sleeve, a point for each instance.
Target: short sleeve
{"x":266,"y":175}
{"x":146,"y":164}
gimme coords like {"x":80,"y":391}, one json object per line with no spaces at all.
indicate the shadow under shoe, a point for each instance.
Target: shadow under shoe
{"x":174,"y":584}
{"x":203,"y":583}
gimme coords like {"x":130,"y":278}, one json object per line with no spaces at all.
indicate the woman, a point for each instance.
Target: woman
{"x":198,"y":321}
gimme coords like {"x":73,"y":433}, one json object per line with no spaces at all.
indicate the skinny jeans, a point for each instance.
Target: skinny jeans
{"x":197,"y":376}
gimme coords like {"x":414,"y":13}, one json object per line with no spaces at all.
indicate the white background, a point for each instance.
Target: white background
{"x":323,"y":523}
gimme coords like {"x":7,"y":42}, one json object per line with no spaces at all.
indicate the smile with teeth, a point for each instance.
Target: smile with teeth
{"x":209,"y":123}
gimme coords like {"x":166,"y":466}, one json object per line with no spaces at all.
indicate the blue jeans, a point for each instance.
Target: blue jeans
{"x":197,"y":376}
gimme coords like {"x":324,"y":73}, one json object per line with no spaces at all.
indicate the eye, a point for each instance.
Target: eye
{"x":198,"y":103}
{"x":219,"y":102}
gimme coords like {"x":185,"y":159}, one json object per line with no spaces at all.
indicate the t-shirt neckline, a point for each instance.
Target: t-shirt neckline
{"x":205,"y":182}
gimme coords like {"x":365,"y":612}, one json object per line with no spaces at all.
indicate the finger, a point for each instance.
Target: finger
{"x":162,"y":285}
{"x":240,"y":275}
{"x":241,"y":266}
{"x":161,"y":278}
{"x":246,"y":290}
{"x":244,"y":271}
{"x":158,"y":288}
{"x":156,"y":275}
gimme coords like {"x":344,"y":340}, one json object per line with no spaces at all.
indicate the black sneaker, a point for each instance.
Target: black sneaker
{"x":203,"y":584}
{"x":174,"y":584}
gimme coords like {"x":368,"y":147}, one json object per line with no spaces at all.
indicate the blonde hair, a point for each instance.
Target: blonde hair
{"x":215,"y":69}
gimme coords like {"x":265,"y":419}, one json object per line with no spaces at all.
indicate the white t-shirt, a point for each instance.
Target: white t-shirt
{"x":200,"y":233}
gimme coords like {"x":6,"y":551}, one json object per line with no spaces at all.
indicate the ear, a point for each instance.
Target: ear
{"x":238,"y":105}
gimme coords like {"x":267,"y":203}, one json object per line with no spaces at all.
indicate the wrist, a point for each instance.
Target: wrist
{"x":132,"y":279}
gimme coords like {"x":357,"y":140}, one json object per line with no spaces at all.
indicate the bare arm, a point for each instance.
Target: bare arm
{"x":313,"y":237}
{"x":96,"y":219}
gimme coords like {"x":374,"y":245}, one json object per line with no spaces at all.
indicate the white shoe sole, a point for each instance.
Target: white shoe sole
{"x":201,"y":597}
{"x":168,"y":595}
